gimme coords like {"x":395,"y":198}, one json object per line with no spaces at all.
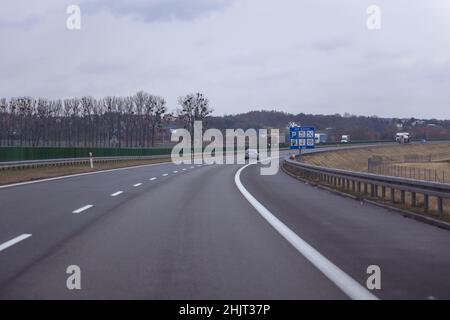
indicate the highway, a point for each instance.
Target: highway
{"x":189,"y":232}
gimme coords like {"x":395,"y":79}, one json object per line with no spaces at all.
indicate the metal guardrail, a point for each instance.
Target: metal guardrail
{"x":363,"y":183}
{"x":17,"y":165}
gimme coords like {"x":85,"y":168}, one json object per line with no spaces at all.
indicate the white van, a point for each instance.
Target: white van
{"x":345,"y":139}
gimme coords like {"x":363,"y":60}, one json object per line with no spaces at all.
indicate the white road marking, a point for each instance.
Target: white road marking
{"x":152,"y":179}
{"x":165,"y":174}
{"x":12,"y":242}
{"x":116,"y":193}
{"x":83,"y":208}
{"x":192,"y":167}
{"x":343,"y":281}
{"x":175,"y":171}
{"x":137,"y":185}
{"x":184,"y":169}
{"x":80,"y":175}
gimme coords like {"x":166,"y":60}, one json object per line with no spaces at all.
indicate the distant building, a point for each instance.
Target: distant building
{"x":417,"y":123}
{"x":321,"y":137}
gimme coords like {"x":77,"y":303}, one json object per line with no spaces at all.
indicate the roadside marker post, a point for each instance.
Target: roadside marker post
{"x":91,"y":160}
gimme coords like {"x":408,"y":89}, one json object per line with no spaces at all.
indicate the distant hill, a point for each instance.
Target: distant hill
{"x":358,"y":127}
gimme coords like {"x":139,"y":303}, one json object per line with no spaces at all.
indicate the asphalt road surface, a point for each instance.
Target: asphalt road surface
{"x":189,"y":232}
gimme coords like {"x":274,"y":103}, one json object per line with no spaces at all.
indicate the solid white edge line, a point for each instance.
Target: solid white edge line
{"x":83,"y":208}
{"x":342,"y":280}
{"x":12,"y":242}
{"x":137,"y":185}
{"x":116,"y":193}
{"x":81,"y":174}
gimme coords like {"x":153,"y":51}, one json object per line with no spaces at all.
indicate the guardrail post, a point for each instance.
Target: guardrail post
{"x":351,"y":181}
{"x":440,"y":206}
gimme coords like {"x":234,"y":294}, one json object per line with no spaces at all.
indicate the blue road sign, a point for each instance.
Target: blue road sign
{"x":302,"y":137}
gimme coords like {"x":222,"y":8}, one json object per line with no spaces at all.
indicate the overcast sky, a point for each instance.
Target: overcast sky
{"x":297,"y":56}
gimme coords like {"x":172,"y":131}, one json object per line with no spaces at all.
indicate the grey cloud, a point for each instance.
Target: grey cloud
{"x":302,"y":56}
{"x":331,"y":44}
{"x":157,"y":10}
{"x":26,"y":23}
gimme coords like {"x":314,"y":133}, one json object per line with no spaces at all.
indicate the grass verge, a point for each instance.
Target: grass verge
{"x":30,"y":174}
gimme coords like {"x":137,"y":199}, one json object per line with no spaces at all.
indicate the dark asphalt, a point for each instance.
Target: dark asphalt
{"x":192,"y":235}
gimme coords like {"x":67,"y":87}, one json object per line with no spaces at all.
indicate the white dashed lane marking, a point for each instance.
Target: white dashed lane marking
{"x":116,"y":193}
{"x":83,"y":208}
{"x":12,"y":242}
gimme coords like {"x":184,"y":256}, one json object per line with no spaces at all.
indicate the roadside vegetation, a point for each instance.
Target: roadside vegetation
{"x":438,"y":159}
{"x":357,"y":159}
{"x":29,"y":174}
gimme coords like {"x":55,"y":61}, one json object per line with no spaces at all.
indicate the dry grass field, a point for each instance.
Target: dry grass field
{"x":357,"y":160}
{"x":13,"y":176}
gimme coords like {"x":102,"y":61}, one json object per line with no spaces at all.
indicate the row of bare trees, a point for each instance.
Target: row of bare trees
{"x":132,"y":121}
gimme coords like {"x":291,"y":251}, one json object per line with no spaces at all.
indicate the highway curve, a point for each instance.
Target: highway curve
{"x":169,"y":233}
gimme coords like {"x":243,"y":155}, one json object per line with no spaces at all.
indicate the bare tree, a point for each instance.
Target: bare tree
{"x":194,"y":107}
{"x":131,"y":121}
{"x":156,"y":108}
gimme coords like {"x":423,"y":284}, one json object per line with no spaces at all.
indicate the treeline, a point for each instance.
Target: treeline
{"x":142,"y":120}
{"x":133,"y":121}
{"x":358,"y":127}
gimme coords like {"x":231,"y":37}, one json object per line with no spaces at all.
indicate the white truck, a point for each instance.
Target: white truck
{"x":403,"y":137}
